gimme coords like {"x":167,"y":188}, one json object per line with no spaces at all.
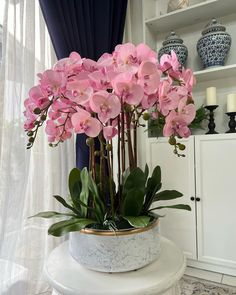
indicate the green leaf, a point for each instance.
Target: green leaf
{"x":139,"y":221}
{"x":136,"y":179}
{"x":167,"y":195}
{"x":125,"y":175}
{"x":133,"y":202}
{"x":75,"y":186}
{"x":98,"y":205}
{"x":85,"y":191}
{"x":65,"y":204}
{"x":63,"y":227}
{"x":156,"y":174}
{"x":50,"y":214}
{"x":179,"y":206}
{"x":146,"y":171}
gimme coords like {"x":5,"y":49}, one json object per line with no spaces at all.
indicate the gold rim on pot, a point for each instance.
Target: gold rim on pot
{"x":124,"y":232}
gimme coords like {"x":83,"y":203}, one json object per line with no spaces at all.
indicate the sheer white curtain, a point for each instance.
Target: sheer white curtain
{"x":28,"y":178}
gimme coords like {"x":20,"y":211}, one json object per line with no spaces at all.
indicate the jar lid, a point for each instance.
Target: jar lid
{"x":172,"y":37}
{"x":213,"y":26}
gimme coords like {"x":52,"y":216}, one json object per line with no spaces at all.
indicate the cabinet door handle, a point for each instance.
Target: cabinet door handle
{"x":198,"y":199}
{"x":192,"y":198}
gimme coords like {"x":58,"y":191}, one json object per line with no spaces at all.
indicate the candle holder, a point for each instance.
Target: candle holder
{"x":211,"y":125}
{"x":232,"y":122}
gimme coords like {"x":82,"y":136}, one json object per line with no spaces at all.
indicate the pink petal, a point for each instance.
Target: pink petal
{"x":94,"y":127}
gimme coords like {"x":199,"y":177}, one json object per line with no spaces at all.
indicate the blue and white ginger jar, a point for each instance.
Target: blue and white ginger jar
{"x":175,"y":43}
{"x":214,"y":45}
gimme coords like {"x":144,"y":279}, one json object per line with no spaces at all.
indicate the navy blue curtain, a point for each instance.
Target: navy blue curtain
{"x":90,"y":27}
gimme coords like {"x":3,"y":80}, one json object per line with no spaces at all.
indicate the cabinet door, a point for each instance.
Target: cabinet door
{"x":177,"y":173}
{"x":216,"y":188}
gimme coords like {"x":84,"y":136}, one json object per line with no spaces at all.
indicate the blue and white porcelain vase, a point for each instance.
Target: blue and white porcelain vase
{"x":175,"y":43}
{"x":214,"y":45}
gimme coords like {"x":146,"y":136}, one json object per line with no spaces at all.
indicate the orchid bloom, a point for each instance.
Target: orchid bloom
{"x":52,"y":81}
{"x":83,"y":122}
{"x":169,"y":62}
{"x":79,"y":91}
{"x":145,"y":53}
{"x":149,"y":77}
{"x":176,"y":125}
{"x":109,"y":132}
{"x":168,"y":97}
{"x":131,"y":92}
{"x":187,"y":111}
{"x":106,"y":105}
{"x":126,"y":59}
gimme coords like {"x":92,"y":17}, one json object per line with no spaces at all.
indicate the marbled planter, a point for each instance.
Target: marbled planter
{"x":117,"y":251}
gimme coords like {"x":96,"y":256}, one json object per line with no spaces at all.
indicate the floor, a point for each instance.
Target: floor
{"x":211,"y":276}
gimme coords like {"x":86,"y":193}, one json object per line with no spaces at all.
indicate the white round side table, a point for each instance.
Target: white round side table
{"x":67,"y":277}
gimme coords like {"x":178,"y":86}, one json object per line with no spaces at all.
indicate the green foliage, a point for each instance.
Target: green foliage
{"x":65,"y":204}
{"x":167,"y":195}
{"x":179,"y":206}
{"x":74,"y":183}
{"x":139,"y":221}
{"x":52,"y":214}
{"x":133,"y":202}
{"x":137,"y":194}
{"x":63,"y":227}
{"x":84,"y":194}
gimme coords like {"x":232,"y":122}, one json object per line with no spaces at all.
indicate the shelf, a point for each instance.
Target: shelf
{"x":216,"y":73}
{"x":192,"y":14}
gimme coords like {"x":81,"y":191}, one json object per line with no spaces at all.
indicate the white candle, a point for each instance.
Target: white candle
{"x":211,"y":96}
{"x":231,"y":102}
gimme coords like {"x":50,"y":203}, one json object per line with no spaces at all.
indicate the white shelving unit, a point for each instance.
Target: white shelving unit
{"x":200,"y":12}
{"x":188,"y":23}
{"x":216,"y":73}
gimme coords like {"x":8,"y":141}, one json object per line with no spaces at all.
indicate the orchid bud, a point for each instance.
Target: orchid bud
{"x":109,"y":147}
{"x":31,"y":139}
{"x":37,"y":111}
{"x":181,"y":147}
{"x":97,"y":153}
{"x":172,"y":140}
{"x":30,"y":133}
{"x":146,"y":116}
{"x":43,"y":117}
{"x":89,"y":141}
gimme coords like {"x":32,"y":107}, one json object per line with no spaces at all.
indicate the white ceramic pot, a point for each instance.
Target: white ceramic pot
{"x":118,"y":251}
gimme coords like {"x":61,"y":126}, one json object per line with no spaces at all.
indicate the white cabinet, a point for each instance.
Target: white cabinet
{"x":207,"y":234}
{"x":216,"y":188}
{"x":178,"y":174}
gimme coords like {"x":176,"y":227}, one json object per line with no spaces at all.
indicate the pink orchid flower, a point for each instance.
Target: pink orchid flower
{"x":145,"y":53}
{"x":188,"y":78}
{"x":124,"y":87}
{"x":187,"y":111}
{"x":37,"y":98}
{"x":168,"y":97}
{"x":69,"y":65}
{"x":101,"y":79}
{"x":109,"y":132}
{"x":126,"y":59}
{"x":169,"y":62}
{"x":83,"y":122}
{"x":106,"y":105}
{"x":52,"y":81}
{"x":148,"y":101}
{"x":51,"y":130}
{"x":80,"y":91}
{"x":149,"y":77}
{"x":176,"y":125}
